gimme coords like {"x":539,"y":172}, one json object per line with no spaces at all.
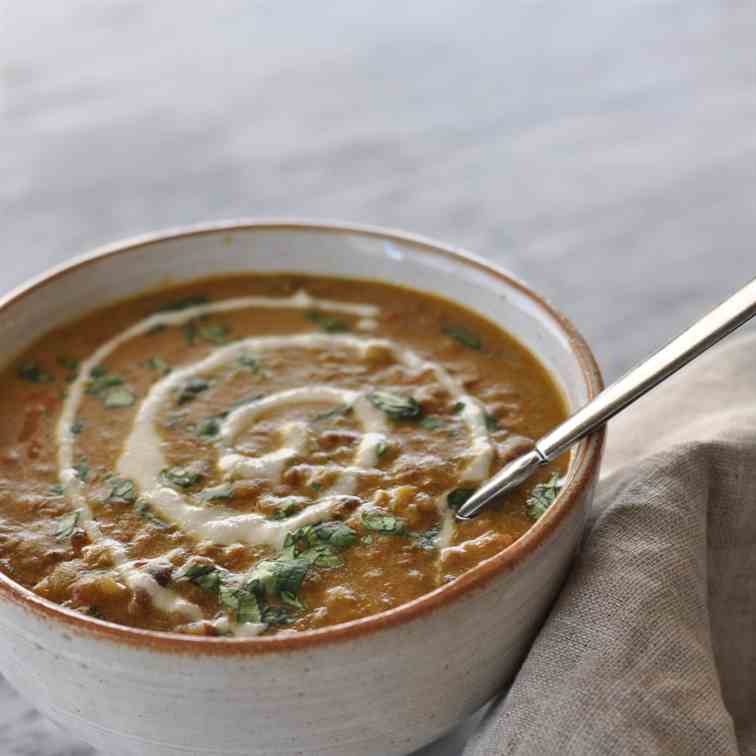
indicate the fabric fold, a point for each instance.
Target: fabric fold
{"x":651,"y":646}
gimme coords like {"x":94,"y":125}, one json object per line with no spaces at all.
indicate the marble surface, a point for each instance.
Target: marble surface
{"x":603,"y":151}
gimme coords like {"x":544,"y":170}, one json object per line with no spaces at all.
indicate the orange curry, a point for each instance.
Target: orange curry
{"x":263,"y":454}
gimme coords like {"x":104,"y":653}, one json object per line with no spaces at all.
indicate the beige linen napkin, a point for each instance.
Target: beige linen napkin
{"x":651,"y":646}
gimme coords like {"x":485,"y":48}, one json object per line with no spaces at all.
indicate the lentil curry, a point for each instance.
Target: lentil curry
{"x":263,"y":454}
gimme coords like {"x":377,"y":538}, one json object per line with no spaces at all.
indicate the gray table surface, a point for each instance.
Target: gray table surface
{"x":606,"y":152}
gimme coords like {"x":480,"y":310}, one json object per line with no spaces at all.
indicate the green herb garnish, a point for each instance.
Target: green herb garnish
{"x":215,"y":333}
{"x":190,"y":332}
{"x":184,"y":303}
{"x":119,"y":397}
{"x":432,"y":422}
{"x":282,"y":513}
{"x":69,"y":363}
{"x":327,"y":323}
{"x":143,"y":508}
{"x":243,"y":401}
{"x":492,"y":424}
{"x":276,"y":615}
{"x":383,"y":523}
{"x":182,"y":477}
{"x":122,"y":491}
{"x":34,"y":373}
{"x":82,"y":469}
{"x":191,"y":389}
{"x":249,"y":362}
{"x":56,"y":489}
{"x":542,"y":497}
{"x":426,"y":540}
{"x":394,"y":405}
{"x":463,"y":336}
{"x":223,"y":491}
{"x":319,"y":544}
{"x":208,"y":428}
{"x":100,"y":381}
{"x":77,"y":427}
{"x":67,"y":524}
{"x":274,"y":577}
{"x":159,"y":364}
{"x":456,"y":498}
{"x":206,"y":576}
{"x":341,"y":409}
{"x":457,"y":407}
{"x":380,"y":449}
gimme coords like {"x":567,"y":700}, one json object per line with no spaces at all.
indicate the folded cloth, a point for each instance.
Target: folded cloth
{"x":651,"y":646}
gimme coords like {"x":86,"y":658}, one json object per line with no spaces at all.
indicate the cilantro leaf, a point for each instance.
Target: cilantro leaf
{"x":382,"y":522}
{"x":463,"y":336}
{"x":456,"y":498}
{"x":67,"y":524}
{"x":542,"y":497}
{"x":34,"y":373}
{"x":395,"y":406}
{"x":327,"y":323}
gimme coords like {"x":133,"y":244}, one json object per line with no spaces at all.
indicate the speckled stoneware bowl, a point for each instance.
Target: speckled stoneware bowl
{"x":383,"y":685}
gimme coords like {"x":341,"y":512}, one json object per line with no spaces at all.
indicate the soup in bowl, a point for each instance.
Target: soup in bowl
{"x":232,"y":458}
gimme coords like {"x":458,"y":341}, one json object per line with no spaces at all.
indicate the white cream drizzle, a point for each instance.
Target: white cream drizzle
{"x":142,"y":459}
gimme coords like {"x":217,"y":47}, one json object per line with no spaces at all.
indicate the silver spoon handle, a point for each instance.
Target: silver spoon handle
{"x":731,"y":314}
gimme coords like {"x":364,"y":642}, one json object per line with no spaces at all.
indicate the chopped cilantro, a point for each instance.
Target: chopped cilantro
{"x":100,"y":381}
{"x":184,"y":303}
{"x":319,"y":544}
{"x":190,"y":332}
{"x":458,"y":407}
{"x":205,"y":575}
{"x":191,"y":389}
{"x":159,"y":364}
{"x":143,"y":508}
{"x":394,"y":405}
{"x":327,"y":323}
{"x":492,"y":424}
{"x":122,"y":491}
{"x":433,"y":422}
{"x":456,"y":498}
{"x":341,"y":409}
{"x":542,"y":497}
{"x":383,"y":523}
{"x":463,"y":336}
{"x":250,"y":362}
{"x":56,"y":489}
{"x":380,"y":449}
{"x":118,"y":397}
{"x":286,"y":511}
{"x":223,"y":491}
{"x":34,"y":373}
{"x":427,"y":539}
{"x":208,"y":428}
{"x":243,"y":401}
{"x":215,"y":333}
{"x":67,"y":524}
{"x":276,"y":615}
{"x":182,"y":477}
{"x":82,"y":469}
{"x":77,"y":427}
{"x":69,"y":363}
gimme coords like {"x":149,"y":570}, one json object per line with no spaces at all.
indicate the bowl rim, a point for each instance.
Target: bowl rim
{"x":586,"y":460}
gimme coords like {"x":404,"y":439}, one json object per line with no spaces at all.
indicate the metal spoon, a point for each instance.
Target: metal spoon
{"x":720,"y":322}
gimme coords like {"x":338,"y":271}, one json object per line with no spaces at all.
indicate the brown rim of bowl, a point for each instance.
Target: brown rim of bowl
{"x":585,"y":462}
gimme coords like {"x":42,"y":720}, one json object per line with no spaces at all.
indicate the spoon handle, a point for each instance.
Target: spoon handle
{"x":710,"y":329}
{"x":731,"y":314}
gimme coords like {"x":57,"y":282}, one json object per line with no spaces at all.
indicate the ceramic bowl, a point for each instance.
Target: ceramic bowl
{"x":382,"y":685}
